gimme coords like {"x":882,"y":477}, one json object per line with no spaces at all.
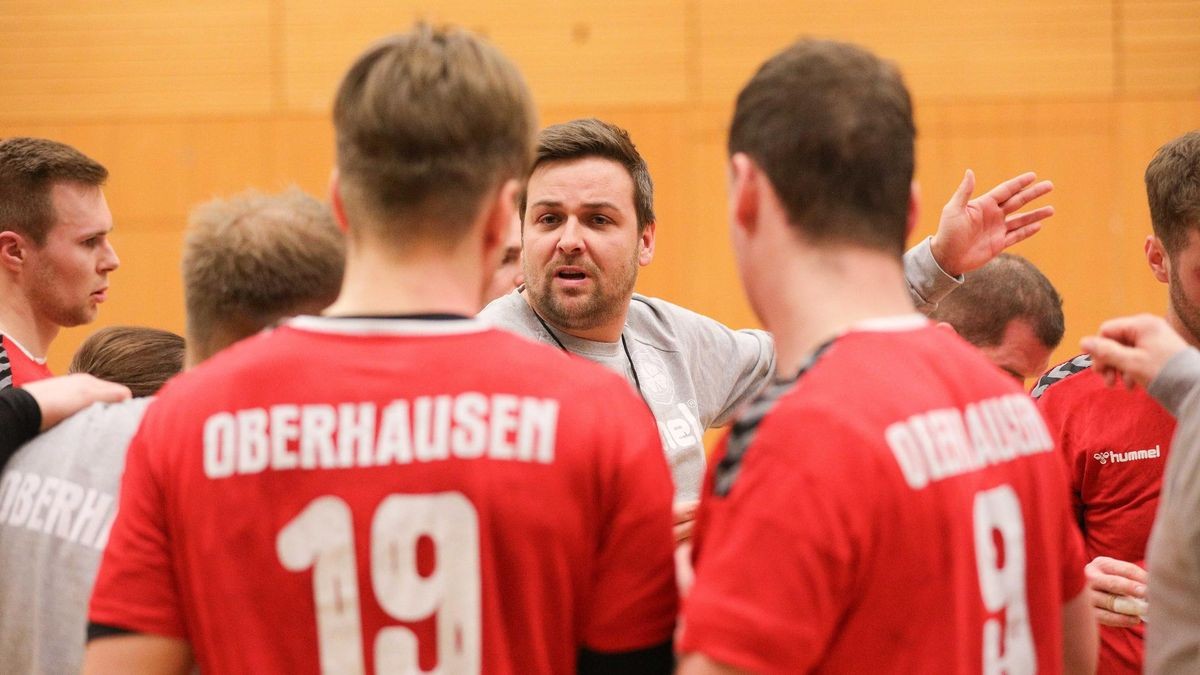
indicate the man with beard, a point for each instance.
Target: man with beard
{"x":1116,"y":441}
{"x":588,"y":224}
{"x":55,"y":256}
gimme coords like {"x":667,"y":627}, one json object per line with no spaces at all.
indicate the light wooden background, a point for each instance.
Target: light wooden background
{"x":187,"y":100}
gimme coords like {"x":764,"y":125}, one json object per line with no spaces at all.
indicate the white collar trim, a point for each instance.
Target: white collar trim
{"x":892,"y":324}
{"x":10,"y":339}
{"x":387,"y":326}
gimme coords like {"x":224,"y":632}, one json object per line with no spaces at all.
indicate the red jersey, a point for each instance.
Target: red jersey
{"x":897,"y":508}
{"x":1115,"y":442}
{"x":375,"y":495}
{"x":17,"y":367}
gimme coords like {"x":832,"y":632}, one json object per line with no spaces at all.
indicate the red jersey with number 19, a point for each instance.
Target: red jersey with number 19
{"x":897,"y":508}
{"x":382,"y":495}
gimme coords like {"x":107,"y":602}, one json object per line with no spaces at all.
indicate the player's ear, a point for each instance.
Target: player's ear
{"x":498,"y":217}
{"x":12,"y":250}
{"x":1156,"y":256}
{"x":744,"y":192}
{"x":335,"y":200}
{"x":914,"y":208}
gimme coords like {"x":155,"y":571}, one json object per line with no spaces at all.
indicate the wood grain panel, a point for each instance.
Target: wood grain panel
{"x":572,"y":52}
{"x":1159,"y":47}
{"x":77,"y":59}
{"x":947,"y":50}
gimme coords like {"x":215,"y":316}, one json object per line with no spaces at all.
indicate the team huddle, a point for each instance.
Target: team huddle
{"x":431,"y":427}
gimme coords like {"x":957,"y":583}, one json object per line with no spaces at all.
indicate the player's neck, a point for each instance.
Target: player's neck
{"x":1184,"y":332}
{"x":821,"y":294}
{"x":378,"y":282}
{"x":20,"y":322}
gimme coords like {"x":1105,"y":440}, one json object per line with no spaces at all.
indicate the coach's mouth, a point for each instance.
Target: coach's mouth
{"x":101,"y":295}
{"x":571,"y":274}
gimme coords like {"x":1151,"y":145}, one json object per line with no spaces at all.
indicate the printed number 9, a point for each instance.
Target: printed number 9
{"x":1007,"y":650}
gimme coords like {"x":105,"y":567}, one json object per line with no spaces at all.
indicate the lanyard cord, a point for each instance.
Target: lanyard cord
{"x":637,"y":382}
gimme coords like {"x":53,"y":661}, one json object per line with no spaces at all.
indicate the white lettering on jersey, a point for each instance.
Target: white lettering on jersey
{"x":940,"y":444}
{"x":1130,"y":456}
{"x":56,"y":507}
{"x":470,"y":425}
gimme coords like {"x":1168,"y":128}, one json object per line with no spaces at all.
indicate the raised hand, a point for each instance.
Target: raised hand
{"x":973,"y":231}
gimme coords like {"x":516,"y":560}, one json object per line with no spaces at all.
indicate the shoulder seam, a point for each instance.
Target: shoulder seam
{"x":1061,"y":372}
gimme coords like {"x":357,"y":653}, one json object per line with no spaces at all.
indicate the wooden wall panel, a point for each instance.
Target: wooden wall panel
{"x":1159,"y":46}
{"x":78,"y":59}
{"x":573,"y":52}
{"x":948,"y":50}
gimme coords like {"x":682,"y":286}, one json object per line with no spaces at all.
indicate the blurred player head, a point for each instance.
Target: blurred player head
{"x":1010,"y":311}
{"x":142,"y":359}
{"x":1173,"y":191}
{"x":434,"y":129}
{"x":587,"y":225}
{"x":55,"y":256}
{"x":253,"y":259}
{"x":830,"y":127}
{"x":508,"y":275}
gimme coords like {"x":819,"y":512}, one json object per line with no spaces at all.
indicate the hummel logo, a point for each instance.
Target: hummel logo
{"x":1130,"y":456}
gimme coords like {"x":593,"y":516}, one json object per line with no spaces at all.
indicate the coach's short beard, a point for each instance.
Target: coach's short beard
{"x":1185,"y":310}
{"x":604,"y":303}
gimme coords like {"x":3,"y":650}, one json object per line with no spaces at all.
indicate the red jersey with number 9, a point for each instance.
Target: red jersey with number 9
{"x":382,"y":495}
{"x":897,"y":508}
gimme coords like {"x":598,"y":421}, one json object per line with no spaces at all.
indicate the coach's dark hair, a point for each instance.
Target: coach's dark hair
{"x":831,"y":125}
{"x":1008,"y":287}
{"x":29,"y":168}
{"x":1173,"y":190}
{"x":428,"y":122}
{"x":142,"y":359}
{"x":591,"y":137}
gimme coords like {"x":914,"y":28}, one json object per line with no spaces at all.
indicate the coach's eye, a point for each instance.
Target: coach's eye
{"x":548,"y":219}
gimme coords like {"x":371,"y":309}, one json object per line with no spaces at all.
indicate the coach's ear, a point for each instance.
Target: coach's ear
{"x":914,"y":208}
{"x":1156,"y":256}
{"x":12,"y":250}
{"x":744,"y":192}
{"x":335,"y":200}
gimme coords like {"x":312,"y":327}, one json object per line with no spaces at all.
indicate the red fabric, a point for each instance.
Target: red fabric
{"x":824,"y":557}
{"x":1115,"y":501}
{"x":575,"y":552}
{"x":24,"y":369}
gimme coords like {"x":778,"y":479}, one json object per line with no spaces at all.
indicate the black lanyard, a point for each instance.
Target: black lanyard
{"x":637,"y":382}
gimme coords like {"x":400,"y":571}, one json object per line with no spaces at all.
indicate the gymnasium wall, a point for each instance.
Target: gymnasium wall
{"x":187,"y":100}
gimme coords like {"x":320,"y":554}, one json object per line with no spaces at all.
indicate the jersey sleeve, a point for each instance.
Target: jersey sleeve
{"x":634,"y":600}
{"x":136,"y":589}
{"x":789,"y":502}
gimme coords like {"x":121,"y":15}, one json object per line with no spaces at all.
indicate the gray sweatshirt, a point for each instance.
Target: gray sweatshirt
{"x":58,"y":498}
{"x":1173,"y":625}
{"x":692,"y":371}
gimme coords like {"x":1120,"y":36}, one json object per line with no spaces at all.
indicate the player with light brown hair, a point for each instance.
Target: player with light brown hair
{"x":396,"y":486}
{"x":253,"y":259}
{"x":55,"y":256}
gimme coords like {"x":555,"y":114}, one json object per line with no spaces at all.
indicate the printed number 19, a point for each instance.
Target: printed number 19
{"x":1007,"y":650}
{"x":322,"y":537}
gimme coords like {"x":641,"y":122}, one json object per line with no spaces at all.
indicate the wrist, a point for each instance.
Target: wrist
{"x":937,"y":248}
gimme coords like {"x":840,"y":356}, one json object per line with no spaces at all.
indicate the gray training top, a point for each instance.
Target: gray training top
{"x":694,"y":372}
{"x":58,"y":498}
{"x":1173,"y":626}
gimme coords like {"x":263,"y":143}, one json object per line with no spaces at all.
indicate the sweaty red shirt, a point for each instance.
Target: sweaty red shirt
{"x":897,"y":508}
{"x":1115,"y":442}
{"x":380,"y":495}
{"x":17,"y":367}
